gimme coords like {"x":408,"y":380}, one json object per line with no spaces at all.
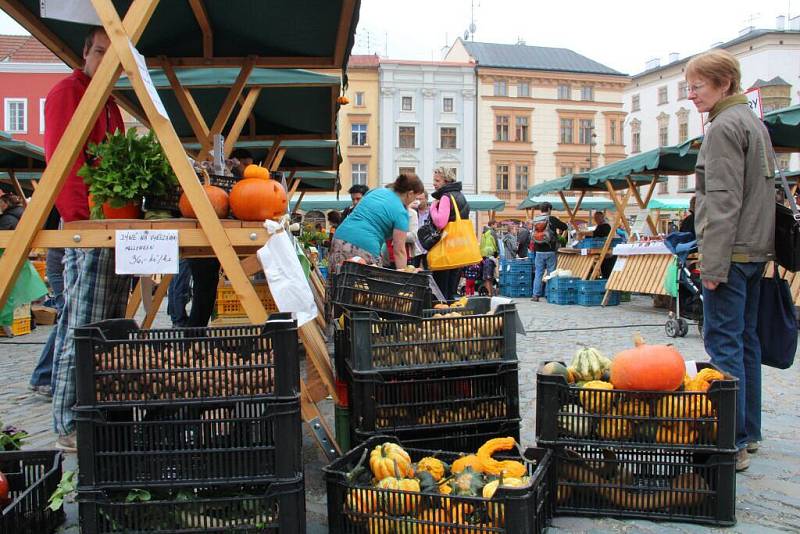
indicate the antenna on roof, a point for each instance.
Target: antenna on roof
{"x":469,"y":34}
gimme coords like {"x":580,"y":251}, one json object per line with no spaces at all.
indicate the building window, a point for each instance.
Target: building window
{"x":612,"y":129}
{"x":502,"y":177}
{"x":566,"y":170}
{"x":663,"y":187}
{"x":621,"y":131}
{"x":635,"y":143}
{"x":683,"y":90}
{"x":359,"y":99}
{"x":587,"y":93}
{"x":407,"y":103}
{"x":522,"y":177}
{"x":585,"y":131}
{"x":683,"y":131}
{"x":522,"y":129}
{"x":407,"y":137}
{"x":41,"y":115}
{"x":523,"y":89}
{"x":566,"y":131}
{"x":662,"y":95}
{"x":16,"y":113}
{"x":359,"y":174}
{"x":358,"y":135}
{"x":564,"y":92}
{"x":448,"y":137}
{"x":683,"y":183}
{"x":635,"y":103}
{"x":663,"y":135}
{"x":408,"y":170}
{"x":501,"y":130}
{"x":500,"y":88}
{"x":447,"y":104}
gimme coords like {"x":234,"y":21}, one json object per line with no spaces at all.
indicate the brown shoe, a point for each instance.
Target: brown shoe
{"x":752,"y":447}
{"x":742,"y":460}
{"x":535,"y":299}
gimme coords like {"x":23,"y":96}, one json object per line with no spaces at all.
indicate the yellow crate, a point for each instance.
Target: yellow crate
{"x":41,"y":268}
{"x":19,"y":327}
{"x":228,"y":303}
{"x":22,"y":311}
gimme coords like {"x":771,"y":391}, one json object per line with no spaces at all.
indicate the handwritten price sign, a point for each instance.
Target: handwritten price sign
{"x":146,"y":252}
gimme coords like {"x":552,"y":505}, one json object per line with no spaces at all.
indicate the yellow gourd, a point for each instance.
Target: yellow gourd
{"x":510,"y":468}
{"x":362,"y":501}
{"x":388,"y":460}
{"x":597,"y":401}
{"x":688,"y":405}
{"x":667,"y":434}
{"x":470,"y":460}
{"x":611,"y":428}
{"x":400,"y":504}
{"x":432,"y":465}
{"x":436,"y":522}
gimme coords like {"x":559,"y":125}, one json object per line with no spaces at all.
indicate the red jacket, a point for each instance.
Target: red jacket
{"x":62,"y":100}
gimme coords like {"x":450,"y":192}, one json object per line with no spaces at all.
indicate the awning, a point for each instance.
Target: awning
{"x":311,"y":155}
{"x":291,"y":102}
{"x":584,"y":182}
{"x":296,"y":34}
{"x":19,"y":155}
{"x":669,"y":203}
{"x":669,"y":160}
{"x":784,"y":128}
{"x":588,"y":203}
{"x":485,"y":203}
{"x":330,"y":202}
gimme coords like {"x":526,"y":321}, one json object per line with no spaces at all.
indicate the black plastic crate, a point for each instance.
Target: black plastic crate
{"x":387,"y":291}
{"x":119,"y":364}
{"x":679,"y":419}
{"x":523,"y":510}
{"x":189,"y":444}
{"x":169,"y":200}
{"x":465,"y":437}
{"x":371,"y":342}
{"x":649,"y":484}
{"x":32,"y":477}
{"x":389,"y":401}
{"x":275,"y":507}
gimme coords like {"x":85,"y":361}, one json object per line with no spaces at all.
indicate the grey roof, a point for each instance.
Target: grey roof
{"x":777,"y":80}
{"x":534,"y":58}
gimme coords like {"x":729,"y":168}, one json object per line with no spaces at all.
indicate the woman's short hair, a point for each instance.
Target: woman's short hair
{"x":406,"y":183}
{"x":446,"y":174}
{"x":717,"y":66}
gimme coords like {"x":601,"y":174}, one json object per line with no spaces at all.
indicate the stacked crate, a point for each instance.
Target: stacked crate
{"x":32,"y":478}
{"x":650,"y":455}
{"x":516,"y":277}
{"x":441,"y":382}
{"x":562,"y":290}
{"x":190,"y":430}
{"x":229,"y":306}
{"x":592,"y":292}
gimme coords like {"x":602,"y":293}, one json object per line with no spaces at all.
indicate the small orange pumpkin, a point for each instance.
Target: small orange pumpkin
{"x":648,"y":368}
{"x":342,"y":100}
{"x":256,"y":197}
{"x":256,"y":171}
{"x":216,"y":195}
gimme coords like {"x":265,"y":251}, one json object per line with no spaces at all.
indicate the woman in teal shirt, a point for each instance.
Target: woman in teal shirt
{"x":381,"y":214}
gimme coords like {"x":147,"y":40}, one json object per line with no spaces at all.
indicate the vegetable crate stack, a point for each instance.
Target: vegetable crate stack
{"x":388,"y":292}
{"x":637,"y":437}
{"x":516,"y":277}
{"x":189,"y":429}
{"x":448,"y":381}
{"x":383,"y":487}
{"x":28,"y":479}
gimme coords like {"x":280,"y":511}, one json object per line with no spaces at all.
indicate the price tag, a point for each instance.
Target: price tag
{"x":146,"y":252}
{"x":754,"y":101}
{"x":81,"y":11}
{"x":148,"y":81}
{"x":584,"y":252}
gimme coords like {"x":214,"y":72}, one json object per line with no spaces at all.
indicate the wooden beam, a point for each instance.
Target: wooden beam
{"x":284,"y":137}
{"x":299,"y":200}
{"x":199,"y":10}
{"x":241,"y":118}
{"x":343,"y":32}
{"x":71,"y":143}
{"x":618,"y":218}
{"x":17,"y":187}
{"x":272,"y":151}
{"x":134,"y":300}
{"x":233,"y":95}
{"x":570,"y":213}
{"x":176,"y":155}
{"x":643,"y":203}
{"x":187,"y":103}
{"x":158,"y":298}
{"x":275,"y":164}
{"x":579,"y":202}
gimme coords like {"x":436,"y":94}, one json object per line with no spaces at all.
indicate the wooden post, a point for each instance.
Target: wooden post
{"x":228,"y":105}
{"x":643,"y":203}
{"x":570,"y":211}
{"x":17,"y":187}
{"x":618,"y":218}
{"x":241,"y":118}
{"x":189,"y":107}
{"x":200,"y":14}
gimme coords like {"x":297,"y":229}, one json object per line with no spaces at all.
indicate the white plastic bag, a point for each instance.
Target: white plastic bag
{"x":285,"y":276}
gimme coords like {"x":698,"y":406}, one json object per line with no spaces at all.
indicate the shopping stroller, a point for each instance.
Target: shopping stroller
{"x":689,"y":304}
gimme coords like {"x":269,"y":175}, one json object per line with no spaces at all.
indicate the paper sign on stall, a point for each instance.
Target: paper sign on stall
{"x":754,"y":101}
{"x":81,"y":11}
{"x":148,"y":81}
{"x":146,"y":252}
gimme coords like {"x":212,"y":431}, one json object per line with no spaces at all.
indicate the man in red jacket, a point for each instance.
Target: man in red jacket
{"x":92,"y":291}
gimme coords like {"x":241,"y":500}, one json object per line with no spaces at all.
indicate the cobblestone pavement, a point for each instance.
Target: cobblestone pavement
{"x":768,"y":494}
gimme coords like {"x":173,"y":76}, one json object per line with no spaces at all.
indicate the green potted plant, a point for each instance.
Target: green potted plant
{"x":123,"y":169}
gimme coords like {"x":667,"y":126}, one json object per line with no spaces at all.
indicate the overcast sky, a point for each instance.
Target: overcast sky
{"x":622,"y":34}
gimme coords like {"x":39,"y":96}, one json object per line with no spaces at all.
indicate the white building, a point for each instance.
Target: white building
{"x":427,"y":115}
{"x":660,"y":114}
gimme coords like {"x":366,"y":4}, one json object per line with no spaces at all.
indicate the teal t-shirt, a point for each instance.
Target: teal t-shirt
{"x":372,"y":222}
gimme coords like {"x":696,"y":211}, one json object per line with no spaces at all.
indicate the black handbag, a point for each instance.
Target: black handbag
{"x":428,"y":235}
{"x":777,"y":323}
{"x":787,"y":230}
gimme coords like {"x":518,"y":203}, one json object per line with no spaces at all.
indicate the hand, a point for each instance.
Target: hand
{"x":711,"y":286}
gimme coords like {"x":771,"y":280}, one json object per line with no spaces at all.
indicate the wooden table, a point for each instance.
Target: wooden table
{"x":576,"y":261}
{"x":640,"y":273}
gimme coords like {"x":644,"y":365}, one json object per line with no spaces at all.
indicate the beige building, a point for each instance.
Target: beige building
{"x":541,"y":113}
{"x":359,"y":123}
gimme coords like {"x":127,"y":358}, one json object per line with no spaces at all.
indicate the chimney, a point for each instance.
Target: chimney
{"x":653,"y":64}
{"x":674,"y":56}
{"x":794,"y":23}
{"x":780,"y":23}
{"x":745,"y":31}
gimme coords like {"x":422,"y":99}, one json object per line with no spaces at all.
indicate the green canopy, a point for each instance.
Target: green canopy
{"x":668,"y":160}
{"x":485,"y":203}
{"x":584,"y":182}
{"x":291,"y":103}
{"x":300,"y":33}
{"x":588,"y":203}
{"x":669,"y":203}
{"x":19,"y":155}
{"x":784,"y":128}
{"x":330,"y":202}
{"x":301,"y":156}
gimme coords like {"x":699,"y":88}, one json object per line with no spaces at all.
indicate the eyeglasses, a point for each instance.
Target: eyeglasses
{"x":694,"y":88}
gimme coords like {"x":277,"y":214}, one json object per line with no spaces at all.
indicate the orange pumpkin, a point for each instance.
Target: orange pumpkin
{"x":216,"y":195}
{"x":343,"y":100}
{"x":256,"y":171}
{"x":648,"y":368}
{"x":257,"y":199}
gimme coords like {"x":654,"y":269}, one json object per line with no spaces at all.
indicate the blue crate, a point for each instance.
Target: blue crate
{"x":560,"y":282}
{"x":590,"y":286}
{"x":597,"y":242}
{"x":596,"y":299}
{"x":522,"y":265}
{"x":516,"y":291}
{"x":511,"y":279}
{"x":561,"y":296}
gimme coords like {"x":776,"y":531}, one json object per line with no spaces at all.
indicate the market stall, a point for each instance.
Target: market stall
{"x":667,"y":204}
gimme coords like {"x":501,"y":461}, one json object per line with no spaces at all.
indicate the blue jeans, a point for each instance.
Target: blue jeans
{"x":178,"y":295}
{"x":43,"y":373}
{"x":542,"y":261}
{"x":730,"y":317}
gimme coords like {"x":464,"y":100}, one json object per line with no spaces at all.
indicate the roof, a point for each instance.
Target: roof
{"x":24,"y":49}
{"x":733,"y":42}
{"x":19,"y":155}
{"x":534,"y":58}
{"x":777,"y":80}
{"x":363,"y":61}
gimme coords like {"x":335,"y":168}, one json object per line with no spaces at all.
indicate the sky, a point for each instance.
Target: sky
{"x":621,"y":34}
